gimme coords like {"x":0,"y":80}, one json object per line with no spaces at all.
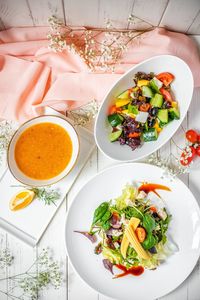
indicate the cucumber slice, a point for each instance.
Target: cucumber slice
{"x":174,"y":113}
{"x":157,"y":100}
{"x":113,"y":136}
{"x":150,"y":135}
{"x":115,"y":120}
{"x":147,"y":92}
{"x":133,"y":109}
{"x":155,"y":84}
{"x":163,"y":116}
{"x":124,"y":95}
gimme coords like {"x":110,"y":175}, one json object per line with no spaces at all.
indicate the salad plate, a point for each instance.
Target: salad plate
{"x":172,"y":207}
{"x":144,"y":108}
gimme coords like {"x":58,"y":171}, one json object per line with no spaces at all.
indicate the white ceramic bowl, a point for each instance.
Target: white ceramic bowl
{"x":43,"y":119}
{"x":182,"y":88}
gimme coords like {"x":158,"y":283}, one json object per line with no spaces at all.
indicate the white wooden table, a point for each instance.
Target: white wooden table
{"x":181,"y":15}
{"x":74,"y":288}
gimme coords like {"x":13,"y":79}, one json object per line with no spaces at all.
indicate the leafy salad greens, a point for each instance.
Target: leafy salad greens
{"x":132,"y":230}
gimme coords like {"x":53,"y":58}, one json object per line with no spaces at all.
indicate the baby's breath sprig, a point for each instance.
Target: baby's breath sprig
{"x":100,"y":48}
{"x":171,"y":165}
{"x":43,"y":273}
{"x":6,"y":258}
{"x":84,"y":114}
{"x":7,"y":129}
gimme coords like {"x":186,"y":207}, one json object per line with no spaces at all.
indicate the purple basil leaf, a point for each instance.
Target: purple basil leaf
{"x":108,"y":265}
{"x":88,"y":235}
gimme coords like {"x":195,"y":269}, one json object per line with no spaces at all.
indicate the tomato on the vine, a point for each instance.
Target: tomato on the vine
{"x":198,"y":150}
{"x":187,"y":156}
{"x":192,"y":136}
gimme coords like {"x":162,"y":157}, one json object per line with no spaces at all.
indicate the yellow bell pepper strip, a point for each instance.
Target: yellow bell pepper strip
{"x":157,"y":127}
{"x":142,"y":82}
{"x":174,"y":104}
{"x":122,"y":102}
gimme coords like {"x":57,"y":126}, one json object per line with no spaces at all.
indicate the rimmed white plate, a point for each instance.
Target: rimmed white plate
{"x":184,"y":229}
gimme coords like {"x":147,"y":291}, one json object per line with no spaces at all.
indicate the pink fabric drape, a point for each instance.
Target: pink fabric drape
{"x":31,"y":74}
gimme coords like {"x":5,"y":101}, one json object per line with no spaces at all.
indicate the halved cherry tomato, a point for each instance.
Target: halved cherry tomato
{"x":192,"y":136}
{"x":187,"y":156}
{"x":113,"y":109}
{"x":141,"y":234}
{"x":166,"y":94}
{"x":198,"y":150}
{"x":134,"y":134}
{"x":153,"y":209}
{"x":144,"y":107}
{"x":166,"y":78}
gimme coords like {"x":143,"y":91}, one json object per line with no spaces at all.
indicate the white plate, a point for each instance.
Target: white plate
{"x":184,"y":228}
{"x":182,"y":88}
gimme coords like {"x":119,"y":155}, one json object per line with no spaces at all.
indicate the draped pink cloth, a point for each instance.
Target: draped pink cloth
{"x":32,"y":75}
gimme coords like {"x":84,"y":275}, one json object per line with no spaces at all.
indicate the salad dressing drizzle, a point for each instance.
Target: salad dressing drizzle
{"x":152,"y":187}
{"x":135,"y":271}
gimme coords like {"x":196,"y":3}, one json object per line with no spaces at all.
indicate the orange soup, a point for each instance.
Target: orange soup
{"x":43,"y":151}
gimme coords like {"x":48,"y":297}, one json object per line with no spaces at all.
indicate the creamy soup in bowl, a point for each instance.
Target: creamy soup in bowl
{"x":43,"y":151}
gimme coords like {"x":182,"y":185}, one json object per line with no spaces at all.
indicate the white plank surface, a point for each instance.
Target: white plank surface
{"x":41,"y":10}
{"x":179,"y":15}
{"x":176,"y":14}
{"x":194,"y":28}
{"x":73,"y":287}
{"x":15,"y":13}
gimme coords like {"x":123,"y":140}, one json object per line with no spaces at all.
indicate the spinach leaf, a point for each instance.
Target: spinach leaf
{"x":106,"y":216}
{"x":99,"y":212}
{"x":149,"y":242}
{"x":106,"y":226}
{"x":149,"y":223}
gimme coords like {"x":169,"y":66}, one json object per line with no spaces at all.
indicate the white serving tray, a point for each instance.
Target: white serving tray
{"x":30,"y":223}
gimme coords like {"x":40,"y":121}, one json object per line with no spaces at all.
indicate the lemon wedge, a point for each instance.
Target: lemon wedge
{"x":21,"y":200}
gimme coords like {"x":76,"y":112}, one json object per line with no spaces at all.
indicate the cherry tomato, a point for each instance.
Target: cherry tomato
{"x":166,"y":94}
{"x":191,"y":136}
{"x":134,"y":134}
{"x":153,"y":209}
{"x":144,"y":107}
{"x":198,"y":139}
{"x":198,"y":150}
{"x":166,"y":78}
{"x":187,"y":155}
{"x":141,"y":234}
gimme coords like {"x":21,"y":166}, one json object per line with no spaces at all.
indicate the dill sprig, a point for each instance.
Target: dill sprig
{"x":48,"y":195}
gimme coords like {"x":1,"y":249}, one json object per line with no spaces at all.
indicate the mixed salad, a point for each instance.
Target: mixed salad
{"x":132,"y":230}
{"x":140,"y":112}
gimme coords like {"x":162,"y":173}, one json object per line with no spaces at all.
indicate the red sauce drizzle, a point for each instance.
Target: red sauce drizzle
{"x":152,"y":187}
{"x":135,"y":271}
